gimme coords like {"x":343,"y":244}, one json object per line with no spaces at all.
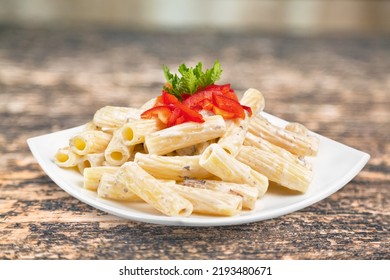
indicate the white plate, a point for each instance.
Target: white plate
{"x":335,"y":165}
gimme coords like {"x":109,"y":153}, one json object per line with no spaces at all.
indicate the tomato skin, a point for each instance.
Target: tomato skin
{"x":195,"y":100}
{"x":219,"y":99}
{"x":189,"y":114}
{"x":159,"y":101}
{"x":227,"y":104}
{"x":168,"y":98}
{"x":225,"y":114}
{"x":224,"y":89}
{"x":163,"y":113}
{"x":173,"y":114}
{"x":248,"y":109}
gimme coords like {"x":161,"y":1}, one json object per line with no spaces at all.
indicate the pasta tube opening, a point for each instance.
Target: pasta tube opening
{"x":62,"y":157}
{"x":79,"y":144}
{"x":66,"y":158}
{"x":127,"y":133}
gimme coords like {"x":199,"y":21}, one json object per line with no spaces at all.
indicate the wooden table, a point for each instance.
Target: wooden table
{"x":52,"y":80}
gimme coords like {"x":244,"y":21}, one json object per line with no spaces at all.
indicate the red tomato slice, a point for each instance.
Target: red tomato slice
{"x":206,"y":104}
{"x":159,"y":101}
{"x":163,"y":113}
{"x":194,"y":101}
{"x":180,"y":120}
{"x":224,"y":114}
{"x":248,"y":109}
{"x":169,"y":98}
{"x":189,"y":114}
{"x":224,"y":89}
{"x":229,"y":105}
{"x":176,"y":113}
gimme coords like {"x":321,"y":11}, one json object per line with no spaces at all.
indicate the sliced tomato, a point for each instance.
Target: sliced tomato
{"x":248,"y":109}
{"x":176,"y":113}
{"x":231,"y":95}
{"x":189,"y":114}
{"x":168,"y":98}
{"x":223,"y":113}
{"x":159,"y":101}
{"x":224,"y":89}
{"x":163,"y":113}
{"x":229,"y":105}
{"x":180,"y":120}
{"x":206,"y":104}
{"x":195,"y":100}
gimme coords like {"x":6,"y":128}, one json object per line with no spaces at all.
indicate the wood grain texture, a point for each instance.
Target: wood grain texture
{"x":52,"y":80}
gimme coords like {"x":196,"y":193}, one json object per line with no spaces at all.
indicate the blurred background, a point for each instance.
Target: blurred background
{"x":303,"y":17}
{"x":306,"y":56}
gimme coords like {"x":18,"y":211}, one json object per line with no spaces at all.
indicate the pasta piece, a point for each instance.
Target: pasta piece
{"x":154,"y":192}
{"x":196,"y":149}
{"x":110,"y":188}
{"x":234,"y":136}
{"x":199,"y":148}
{"x":187,"y":151}
{"x":210,"y":202}
{"x":134,"y":132}
{"x":148,"y":104}
{"x":92,"y":175}
{"x":90,"y":141}
{"x":90,"y":160}
{"x":260,"y":143}
{"x":172,"y":167}
{"x":115,"y":117}
{"x":90,"y":126}
{"x":295,"y":143}
{"x":254,"y":99}
{"x":276,"y":168}
{"x":184,"y":135}
{"x":248,"y":193}
{"x":218,"y":162}
{"x":297,"y":128}
{"x":117,"y":152}
{"x":66,"y":158}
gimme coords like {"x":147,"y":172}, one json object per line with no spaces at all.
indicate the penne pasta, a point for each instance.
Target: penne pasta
{"x":218,"y":162}
{"x":154,"y":192}
{"x":172,"y":167}
{"x":184,"y":135}
{"x":90,"y":141}
{"x":253,"y":99}
{"x":110,"y":188}
{"x":117,"y":152}
{"x":297,"y":128}
{"x":115,"y":117}
{"x":92,"y":175}
{"x":260,"y":143}
{"x":276,"y":168}
{"x":234,"y":136}
{"x":91,"y":160}
{"x":134,"y":132}
{"x":295,"y":143}
{"x":210,"y":202}
{"x":248,"y":193}
{"x":66,"y":158}
{"x":91,"y":126}
{"x":196,"y":149}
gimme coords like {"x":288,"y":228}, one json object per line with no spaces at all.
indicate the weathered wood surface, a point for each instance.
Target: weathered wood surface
{"x":52,"y":80}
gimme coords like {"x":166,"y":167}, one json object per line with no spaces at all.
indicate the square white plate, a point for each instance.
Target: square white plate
{"x":335,"y":165}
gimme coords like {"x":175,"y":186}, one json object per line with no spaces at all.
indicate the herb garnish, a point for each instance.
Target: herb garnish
{"x":192,"y":79}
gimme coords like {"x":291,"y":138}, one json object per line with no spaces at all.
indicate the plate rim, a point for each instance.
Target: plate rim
{"x":193,"y":221}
